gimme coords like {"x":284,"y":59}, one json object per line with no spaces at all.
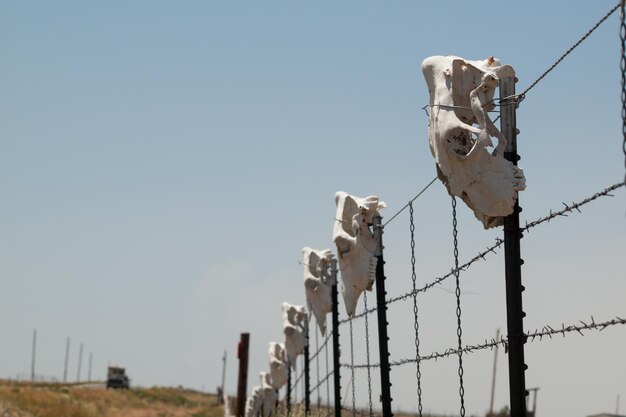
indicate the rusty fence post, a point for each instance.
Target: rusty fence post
{"x":242,"y":382}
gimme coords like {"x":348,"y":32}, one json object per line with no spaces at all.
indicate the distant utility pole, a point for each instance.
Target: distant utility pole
{"x":221,"y":399}
{"x":32,"y":362}
{"x":493,"y":377}
{"x":90,"y":360}
{"x":67,"y":358}
{"x":80,"y":362}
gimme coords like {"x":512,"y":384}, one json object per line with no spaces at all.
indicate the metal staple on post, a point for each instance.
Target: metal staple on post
{"x":383,"y":339}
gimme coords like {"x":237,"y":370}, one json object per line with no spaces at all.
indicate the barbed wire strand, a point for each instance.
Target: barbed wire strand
{"x":410,"y":201}
{"x":532,"y":336}
{"x":574,"y":206}
{"x":321,"y":382}
{"x":498,"y":243}
{"x":566,"y":53}
{"x":295,"y":385}
{"x":318,"y":351}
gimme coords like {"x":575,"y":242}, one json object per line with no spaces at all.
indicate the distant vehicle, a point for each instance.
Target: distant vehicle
{"x":117,"y":378}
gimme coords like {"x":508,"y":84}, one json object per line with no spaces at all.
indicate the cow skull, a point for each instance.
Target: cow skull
{"x":262,"y":400}
{"x":278,"y":365}
{"x":355,"y":245}
{"x":460,"y":131}
{"x":318,"y":281}
{"x":254,"y":403}
{"x":294,"y":322}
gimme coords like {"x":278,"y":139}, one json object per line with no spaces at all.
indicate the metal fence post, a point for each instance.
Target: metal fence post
{"x":307,"y":382}
{"x":336,"y":351}
{"x":289,"y":389}
{"x":513,"y":262}
{"x":381,"y":309}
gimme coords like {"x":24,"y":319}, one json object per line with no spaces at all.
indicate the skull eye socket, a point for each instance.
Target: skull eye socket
{"x":460,"y":141}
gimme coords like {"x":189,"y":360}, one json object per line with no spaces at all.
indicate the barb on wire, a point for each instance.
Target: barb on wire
{"x":583,"y":38}
{"x":537,"y":335}
{"x":572,"y":207}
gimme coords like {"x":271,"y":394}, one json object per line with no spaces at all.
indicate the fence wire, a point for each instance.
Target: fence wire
{"x":532,"y":336}
{"x":569,"y":208}
{"x":569,"y":51}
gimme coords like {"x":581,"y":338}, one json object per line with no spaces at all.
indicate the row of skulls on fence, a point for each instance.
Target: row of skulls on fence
{"x":460,"y":136}
{"x":356,"y":246}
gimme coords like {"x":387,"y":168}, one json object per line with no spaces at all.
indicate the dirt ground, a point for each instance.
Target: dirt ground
{"x":63,"y":401}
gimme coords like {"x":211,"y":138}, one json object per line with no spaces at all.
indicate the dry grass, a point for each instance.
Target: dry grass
{"x":61,"y":401}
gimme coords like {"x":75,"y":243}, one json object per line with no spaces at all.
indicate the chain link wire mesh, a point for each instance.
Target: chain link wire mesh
{"x":416,"y":326}
{"x":459,"y":328}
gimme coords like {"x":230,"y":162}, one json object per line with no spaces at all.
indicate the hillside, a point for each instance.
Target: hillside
{"x":95,"y":401}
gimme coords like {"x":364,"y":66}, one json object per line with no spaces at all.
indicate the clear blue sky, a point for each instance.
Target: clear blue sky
{"x":163,"y":163}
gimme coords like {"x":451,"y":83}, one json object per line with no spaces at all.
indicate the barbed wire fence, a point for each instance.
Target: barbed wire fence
{"x":331,"y":370}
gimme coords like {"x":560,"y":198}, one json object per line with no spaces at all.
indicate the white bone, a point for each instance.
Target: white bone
{"x":294,"y":322}
{"x":461,"y":94}
{"x":355,"y":245}
{"x":262,"y":400}
{"x":254,"y":403}
{"x":278,"y":364}
{"x":270,"y":396}
{"x":318,"y":282}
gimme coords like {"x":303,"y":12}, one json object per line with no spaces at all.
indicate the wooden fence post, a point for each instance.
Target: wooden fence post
{"x":242,"y":383}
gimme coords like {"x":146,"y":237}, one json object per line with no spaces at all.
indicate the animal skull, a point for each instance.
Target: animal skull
{"x":278,"y":364}
{"x":262,"y":400}
{"x":355,"y":245}
{"x":254,"y":403}
{"x":294,"y":322}
{"x":460,"y":131}
{"x":318,"y":282}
